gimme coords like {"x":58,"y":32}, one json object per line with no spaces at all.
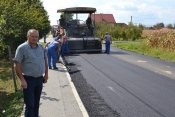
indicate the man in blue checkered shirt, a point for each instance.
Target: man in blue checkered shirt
{"x":30,"y":64}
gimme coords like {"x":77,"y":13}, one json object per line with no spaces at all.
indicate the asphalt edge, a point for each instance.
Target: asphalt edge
{"x":77,"y":97}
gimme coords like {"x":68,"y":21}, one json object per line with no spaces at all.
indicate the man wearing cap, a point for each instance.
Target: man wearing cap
{"x":108,"y":40}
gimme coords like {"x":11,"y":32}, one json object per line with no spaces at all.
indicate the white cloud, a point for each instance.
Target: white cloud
{"x":146,"y":11}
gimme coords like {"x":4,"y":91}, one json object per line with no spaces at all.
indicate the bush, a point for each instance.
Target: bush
{"x":128,"y":32}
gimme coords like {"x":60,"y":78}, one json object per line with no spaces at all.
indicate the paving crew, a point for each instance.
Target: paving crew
{"x":52,"y":49}
{"x":108,"y":41}
{"x":65,"y":45}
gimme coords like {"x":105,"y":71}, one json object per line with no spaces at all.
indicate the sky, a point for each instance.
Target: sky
{"x":146,"y":12}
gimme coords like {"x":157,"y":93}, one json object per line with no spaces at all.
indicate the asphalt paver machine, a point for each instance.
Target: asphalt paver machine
{"x":80,"y":33}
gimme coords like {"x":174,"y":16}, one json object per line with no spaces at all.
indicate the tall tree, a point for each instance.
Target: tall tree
{"x":68,"y":16}
{"x":169,"y":26}
{"x":159,"y":25}
{"x":19,"y":17}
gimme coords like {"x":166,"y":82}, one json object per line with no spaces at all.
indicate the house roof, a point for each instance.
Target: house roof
{"x":103,"y":18}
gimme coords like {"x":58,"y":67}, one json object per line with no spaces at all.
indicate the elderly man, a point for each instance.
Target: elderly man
{"x":30,"y":64}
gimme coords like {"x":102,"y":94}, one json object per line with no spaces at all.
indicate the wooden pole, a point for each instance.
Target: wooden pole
{"x":13,"y":74}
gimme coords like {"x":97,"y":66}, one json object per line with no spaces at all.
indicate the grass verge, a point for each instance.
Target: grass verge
{"x":11,"y":102}
{"x":42,"y":43}
{"x":143,"y":48}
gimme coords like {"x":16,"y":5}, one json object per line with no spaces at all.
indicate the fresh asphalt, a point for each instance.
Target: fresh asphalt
{"x":132,"y":84}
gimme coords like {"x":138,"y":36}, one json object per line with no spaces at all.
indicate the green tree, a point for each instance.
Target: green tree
{"x":159,"y":25}
{"x":19,"y":17}
{"x":2,"y":45}
{"x":128,"y":32}
{"x":68,"y":16}
{"x":169,"y":26}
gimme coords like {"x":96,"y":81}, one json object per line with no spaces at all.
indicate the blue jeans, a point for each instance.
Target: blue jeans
{"x":65,"y":47}
{"x":32,"y":95}
{"x":107,"y":47}
{"x":51,"y":54}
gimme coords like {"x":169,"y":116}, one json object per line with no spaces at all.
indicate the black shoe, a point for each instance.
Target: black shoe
{"x":55,"y":68}
{"x":50,"y":67}
{"x":58,"y":61}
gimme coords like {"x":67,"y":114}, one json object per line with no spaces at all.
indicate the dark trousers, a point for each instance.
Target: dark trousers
{"x":32,"y":95}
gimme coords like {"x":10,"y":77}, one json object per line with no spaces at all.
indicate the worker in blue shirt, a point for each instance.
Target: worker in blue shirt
{"x":52,"y":53}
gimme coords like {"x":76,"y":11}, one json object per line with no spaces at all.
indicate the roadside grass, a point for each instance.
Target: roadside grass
{"x":11,"y":102}
{"x":42,"y":43}
{"x":142,"y":47}
{"x":47,"y":35}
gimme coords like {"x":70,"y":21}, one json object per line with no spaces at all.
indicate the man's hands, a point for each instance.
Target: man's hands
{"x":23,"y":83}
{"x":45,"y":78}
{"x":46,"y":45}
{"x":18,"y":70}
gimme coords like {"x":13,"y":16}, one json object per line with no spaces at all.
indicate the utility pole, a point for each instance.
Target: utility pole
{"x":131,"y":18}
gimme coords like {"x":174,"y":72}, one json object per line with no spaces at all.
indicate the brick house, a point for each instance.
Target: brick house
{"x":109,"y":18}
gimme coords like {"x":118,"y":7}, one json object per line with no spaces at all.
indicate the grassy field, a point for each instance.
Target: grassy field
{"x":143,"y":48}
{"x":11,"y":103}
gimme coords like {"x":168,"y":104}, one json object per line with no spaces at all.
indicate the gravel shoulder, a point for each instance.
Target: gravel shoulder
{"x":94,"y":104}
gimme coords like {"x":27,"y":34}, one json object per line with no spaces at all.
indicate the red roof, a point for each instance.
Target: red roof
{"x":103,"y":18}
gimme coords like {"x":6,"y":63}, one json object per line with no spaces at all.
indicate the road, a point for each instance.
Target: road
{"x":131,"y":84}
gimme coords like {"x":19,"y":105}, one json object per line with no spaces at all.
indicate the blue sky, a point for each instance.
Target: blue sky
{"x":146,"y":12}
